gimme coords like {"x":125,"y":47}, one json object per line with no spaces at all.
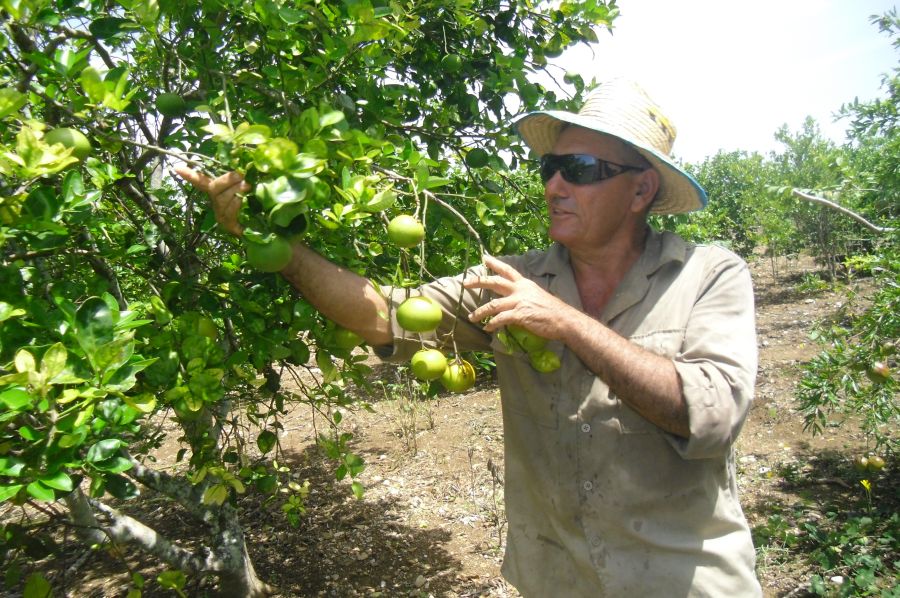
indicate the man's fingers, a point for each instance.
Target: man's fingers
{"x":491,"y":308}
{"x":501,"y":268}
{"x":233,"y":182}
{"x":196,"y":179}
{"x":498,"y":285}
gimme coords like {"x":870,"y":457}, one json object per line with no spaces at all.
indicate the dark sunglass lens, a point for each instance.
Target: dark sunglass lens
{"x":549,"y":166}
{"x":580,"y":169}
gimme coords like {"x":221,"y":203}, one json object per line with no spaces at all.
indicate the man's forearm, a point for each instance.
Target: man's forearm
{"x":645,"y":381}
{"x":341,"y":295}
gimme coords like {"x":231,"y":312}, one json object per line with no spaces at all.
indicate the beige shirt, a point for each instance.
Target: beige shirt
{"x":600,"y":502}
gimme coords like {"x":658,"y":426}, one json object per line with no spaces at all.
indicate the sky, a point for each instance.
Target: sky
{"x":730,"y":73}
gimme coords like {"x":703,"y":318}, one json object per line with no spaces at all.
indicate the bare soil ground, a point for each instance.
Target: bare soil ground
{"x":432,"y":523}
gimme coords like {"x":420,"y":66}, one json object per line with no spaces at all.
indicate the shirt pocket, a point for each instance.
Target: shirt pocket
{"x":525,"y":391}
{"x":666,"y":343}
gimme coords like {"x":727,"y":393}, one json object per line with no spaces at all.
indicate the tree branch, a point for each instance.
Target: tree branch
{"x":121,"y":528}
{"x":842,"y":210}
{"x":178,"y":489}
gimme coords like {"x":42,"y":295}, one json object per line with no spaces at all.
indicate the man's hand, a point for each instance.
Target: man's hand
{"x":521,"y":301}
{"x":224,"y":193}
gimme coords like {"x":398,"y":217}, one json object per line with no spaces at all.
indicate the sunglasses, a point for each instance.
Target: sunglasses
{"x":581,"y":169}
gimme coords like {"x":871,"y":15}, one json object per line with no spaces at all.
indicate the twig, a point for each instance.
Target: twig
{"x":843,"y":210}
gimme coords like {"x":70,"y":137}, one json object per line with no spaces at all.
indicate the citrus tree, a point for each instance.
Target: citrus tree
{"x":857,"y":371}
{"x":121,"y":304}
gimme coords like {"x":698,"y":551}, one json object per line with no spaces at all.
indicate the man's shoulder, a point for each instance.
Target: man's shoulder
{"x":537,"y":262}
{"x":711,"y":252}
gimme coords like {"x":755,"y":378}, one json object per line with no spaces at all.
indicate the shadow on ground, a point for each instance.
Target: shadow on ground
{"x":341,"y":546}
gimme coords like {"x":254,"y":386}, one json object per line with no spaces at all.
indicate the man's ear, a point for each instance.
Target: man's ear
{"x":646,"y":186}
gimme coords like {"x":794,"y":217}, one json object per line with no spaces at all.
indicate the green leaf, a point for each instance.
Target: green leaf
{"x":54,"y":361}
{"x":93,"y":86}
{"x":120,"y":487}
{"x":113,"y":355}
{"x":174,"y":580}
{"x":355,"y":464}
{"x":116,"y":464}
{"x":11,"y":466}
{"x":358,"y":490}
{"x":380,"y":201}
{"x":330,"y":119}
{"x":434,"y":182}
{"x":72,"y":187}
{"x":291,"y":16}
{"x":93,"y":325}
{"x":103,"y":450}
{"x":266,"y":441}
{"x":219,"y":132}
{"x":15,"y":399}
{"x":58,"y":481}
{"x":30,"y":434}
{"x":215,"y":494}
{"x":247,"y":134}
{"x":11,"y":100}
{"x":40,"y":492}
{"x":145,"y":403}
{"x":37,"y":586}
{"x":73,"y":439}
{"x":7,"y":311}
{"x":7,"y":492}
{"x":24,"y":362}
{"x":107,"y":27}
{"x":330,"y":373}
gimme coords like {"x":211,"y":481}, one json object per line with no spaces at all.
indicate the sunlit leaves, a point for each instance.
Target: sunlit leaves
{"x":33,"y":157}
{"x":112,"y":92}
{"x":11,"y":101}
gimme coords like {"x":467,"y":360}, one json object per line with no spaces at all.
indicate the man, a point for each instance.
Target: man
{"x":620,"y":475}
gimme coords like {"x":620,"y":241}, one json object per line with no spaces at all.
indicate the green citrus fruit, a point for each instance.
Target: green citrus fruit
{"x":273,"y":256}
{"x":428,"y":364}
{"x":477,"y":158}
{"x":72,"y":138}
{"x":544,"y":361}
{"x":171,"y":104}
{"x":527,"y":340}
{"x":405,"y":231}
{"x":876,"y":463}
{"x":206,"y":327}
{"x":459,"y":376}
{"x":451,"y":63}
{"x":345,"y":339}
{"x":419,"y":314}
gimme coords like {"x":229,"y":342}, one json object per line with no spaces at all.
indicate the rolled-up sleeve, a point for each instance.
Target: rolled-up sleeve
{"x":455,"y":329}
{"x":718,"y":361}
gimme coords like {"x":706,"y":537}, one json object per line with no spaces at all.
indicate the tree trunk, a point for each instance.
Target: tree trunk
{"x":226,"y":557}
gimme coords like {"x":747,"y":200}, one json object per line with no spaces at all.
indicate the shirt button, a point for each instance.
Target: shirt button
{"x":588,"y":486}
{"x":586,"y":428}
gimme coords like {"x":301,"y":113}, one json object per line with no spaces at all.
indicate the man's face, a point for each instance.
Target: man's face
{"x":591,"y":216}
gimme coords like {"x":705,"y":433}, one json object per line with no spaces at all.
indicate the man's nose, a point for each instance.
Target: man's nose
{"x":554,"y":187}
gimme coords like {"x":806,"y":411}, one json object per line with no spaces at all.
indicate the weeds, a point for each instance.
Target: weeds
{"x":412,"y":407}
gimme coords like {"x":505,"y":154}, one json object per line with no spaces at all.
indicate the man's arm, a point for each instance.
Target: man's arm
{"x":339,"y":294}
{"x":646,"y":382}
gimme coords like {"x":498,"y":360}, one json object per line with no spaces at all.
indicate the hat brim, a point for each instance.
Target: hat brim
{"x":678,"y":191}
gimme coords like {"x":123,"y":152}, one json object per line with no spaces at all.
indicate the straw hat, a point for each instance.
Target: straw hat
{"x":622,"y":109}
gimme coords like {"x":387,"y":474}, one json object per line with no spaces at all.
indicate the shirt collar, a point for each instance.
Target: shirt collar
{"x":660,"y":249}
